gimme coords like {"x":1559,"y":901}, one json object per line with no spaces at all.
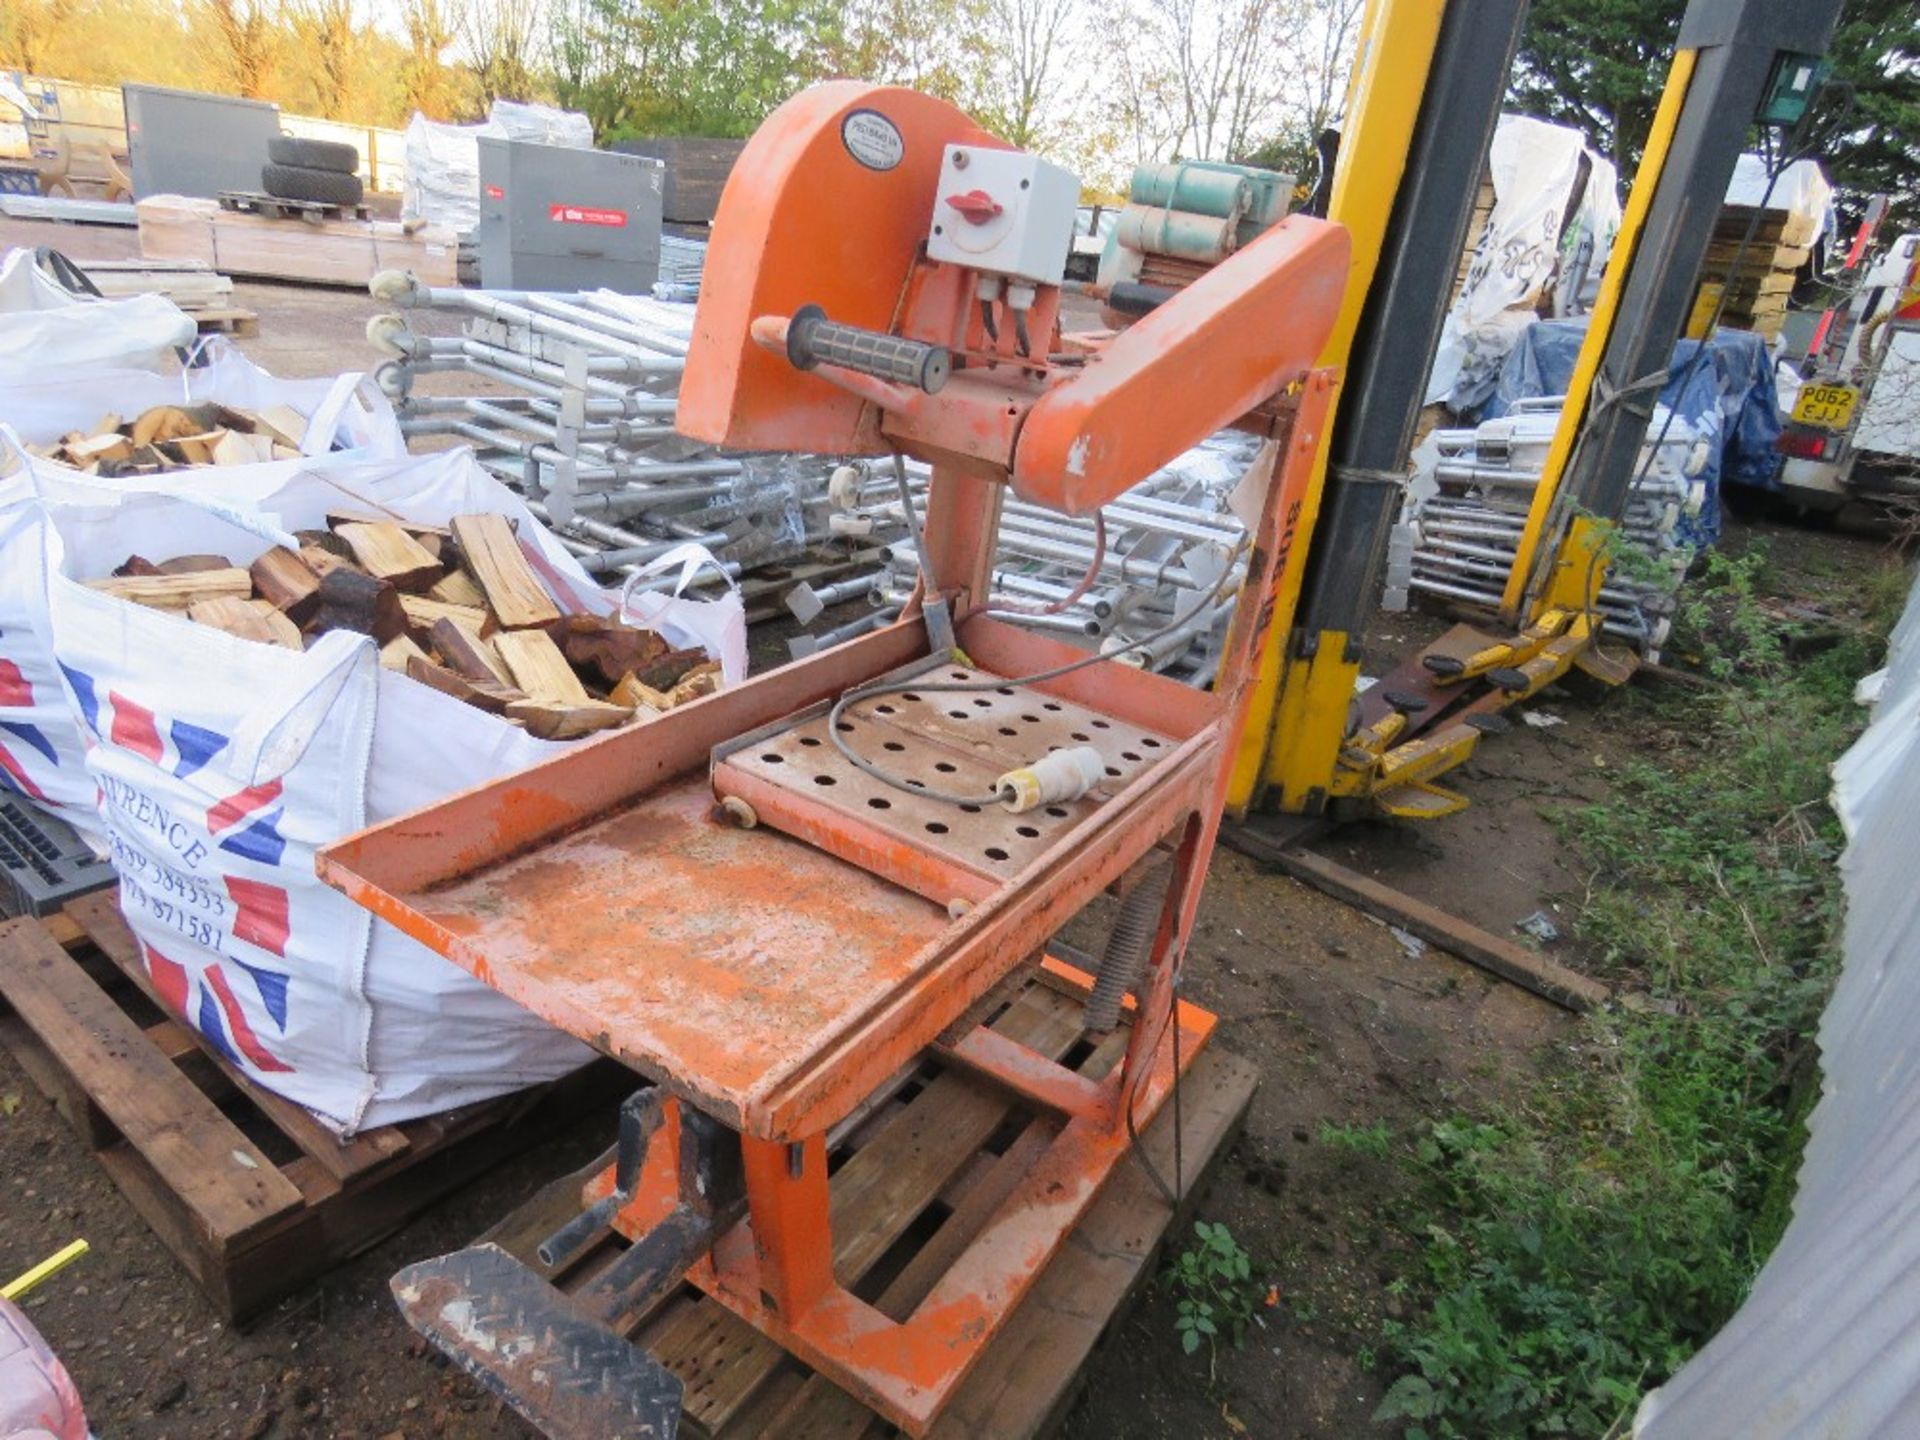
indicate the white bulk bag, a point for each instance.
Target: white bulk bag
{"x":41,"y":758}
{"x":343,"y":412}
{"x":47,"y":327}
{"x":40,"y":750}
{"x":223,"y":765}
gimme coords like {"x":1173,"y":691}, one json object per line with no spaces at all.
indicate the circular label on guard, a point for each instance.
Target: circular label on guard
{"x":872,"y":139}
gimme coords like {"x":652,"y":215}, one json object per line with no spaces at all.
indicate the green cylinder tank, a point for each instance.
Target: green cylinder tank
{"x":1198,"y":189}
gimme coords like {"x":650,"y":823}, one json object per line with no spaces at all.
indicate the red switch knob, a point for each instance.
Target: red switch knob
{"x":976,"y":206}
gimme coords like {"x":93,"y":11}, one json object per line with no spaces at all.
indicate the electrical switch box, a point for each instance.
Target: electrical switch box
{"x":1004,"y":212}
{"x":553,"y":217}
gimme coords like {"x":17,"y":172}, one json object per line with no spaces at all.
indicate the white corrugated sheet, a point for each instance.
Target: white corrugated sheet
{"x":1828,"y":1344}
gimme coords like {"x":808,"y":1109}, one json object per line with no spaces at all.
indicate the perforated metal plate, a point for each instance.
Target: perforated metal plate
{"x":955,"y":741}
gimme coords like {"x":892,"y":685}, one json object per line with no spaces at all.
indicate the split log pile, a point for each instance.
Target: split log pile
{"x":180,"y":437}
{"x":456,"y":607}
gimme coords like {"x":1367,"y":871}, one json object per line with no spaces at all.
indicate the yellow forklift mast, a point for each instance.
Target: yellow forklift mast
{"x":1408,"y":168}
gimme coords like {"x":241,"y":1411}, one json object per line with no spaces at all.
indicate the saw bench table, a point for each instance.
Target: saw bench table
{"x":777,"y":901}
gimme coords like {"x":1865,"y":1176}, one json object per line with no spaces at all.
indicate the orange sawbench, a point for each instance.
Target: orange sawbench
{"x":725,"y":901}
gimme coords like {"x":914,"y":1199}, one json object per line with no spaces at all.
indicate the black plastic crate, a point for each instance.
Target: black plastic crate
{"x":45,"y":863}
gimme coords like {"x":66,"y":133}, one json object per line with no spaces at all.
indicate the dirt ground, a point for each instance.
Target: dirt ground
{"x":1347,"y":1023}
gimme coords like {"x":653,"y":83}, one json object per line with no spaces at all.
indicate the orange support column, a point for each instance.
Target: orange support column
{"x":792,"y":1228}
{"x":963,"y":516}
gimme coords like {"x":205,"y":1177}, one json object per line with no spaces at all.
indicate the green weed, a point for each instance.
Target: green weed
{"x":1375,"y":1140}
{"x":1214,"y":1291}
{"x":1576,"y":1249}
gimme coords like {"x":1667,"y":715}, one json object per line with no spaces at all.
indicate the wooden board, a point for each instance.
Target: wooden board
{"x":913,"y":1184}
{"x":331,"y":252}
{"x":199,"y":1150}
{"x":237,"y":618}
{"x":177,"y":592}
{"x":287,"y":582}
{"x":1755,"y":260}
{"x":226,"y":321}
{"x":1528,"y":969}
{"x":190,"y":285}
{"x":538,"y":668}
{"x":387,"y":552}
{"x":466,"y":652}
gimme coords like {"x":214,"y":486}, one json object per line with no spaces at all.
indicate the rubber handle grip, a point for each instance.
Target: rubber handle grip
{"x":1131,"y":298}
{"x":813,"y":339}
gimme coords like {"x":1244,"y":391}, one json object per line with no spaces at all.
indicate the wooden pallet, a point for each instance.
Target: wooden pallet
{"x":916,"y":1174}
{"x":190,"y":284}
{"x":226,"y":322}
{"x":274,"y":207}
{"x":1756,"y":260}
{"x":253,"y":1195}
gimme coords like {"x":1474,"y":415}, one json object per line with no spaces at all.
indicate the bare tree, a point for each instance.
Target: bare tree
{"x":1323,"y":63}
{"x":424,"y":79}
{"x":334,"y":47}
{"x":502,"y":41}
{"x":244,"y":41}
{"x":1035,"y":37}
{"x":1202,"y":79}
{"x":1141,"y":90}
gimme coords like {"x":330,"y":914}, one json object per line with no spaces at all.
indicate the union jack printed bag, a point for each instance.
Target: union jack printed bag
{"x":222,"y":765}
{"x":40,"y":748}
{"x":41,"y":758}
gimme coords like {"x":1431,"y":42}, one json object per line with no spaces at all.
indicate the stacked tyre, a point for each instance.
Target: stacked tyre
{"x":322,"y":171}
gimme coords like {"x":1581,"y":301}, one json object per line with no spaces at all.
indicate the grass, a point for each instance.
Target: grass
{"x":1574,"y":1249}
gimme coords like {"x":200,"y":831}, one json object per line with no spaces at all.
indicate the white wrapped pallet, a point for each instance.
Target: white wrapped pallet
{"x":443,"y":161}
{"x":223,"y":764}
{"x":1535,"y":168}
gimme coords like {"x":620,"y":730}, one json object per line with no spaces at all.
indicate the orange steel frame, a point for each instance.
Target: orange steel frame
{"x":483,"y":877}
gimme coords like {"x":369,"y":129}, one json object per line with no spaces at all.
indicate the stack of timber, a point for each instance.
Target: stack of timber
{"x":325,"y":252}
{"x":1756,"y":281}
{"x":916,"y":1174}
{"x":1483,"y":203}
{"x":251,"y":1193}
{"x":697,"y":171}
{"x":455,"y":607}
{"x":193,"y":285}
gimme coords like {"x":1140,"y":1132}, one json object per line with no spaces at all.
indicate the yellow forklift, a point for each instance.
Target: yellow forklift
{"x":1404,"y":186}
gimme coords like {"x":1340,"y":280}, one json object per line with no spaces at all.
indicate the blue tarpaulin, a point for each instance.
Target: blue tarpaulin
{"x":1728,"y":398}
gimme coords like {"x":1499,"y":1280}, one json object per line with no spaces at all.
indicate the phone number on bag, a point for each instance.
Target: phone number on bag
{"x":158,"y":880}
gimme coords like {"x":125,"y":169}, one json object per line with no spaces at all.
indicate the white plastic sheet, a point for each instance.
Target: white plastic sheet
{"x":1534,"y":166}
{"x":345,"y":412}
{"x":443,"y":161}
{"x":1802,"y":191}
{"x":1828,"y":1341}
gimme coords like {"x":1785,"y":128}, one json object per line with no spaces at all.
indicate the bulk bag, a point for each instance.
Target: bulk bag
{"x":222,"y":765}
